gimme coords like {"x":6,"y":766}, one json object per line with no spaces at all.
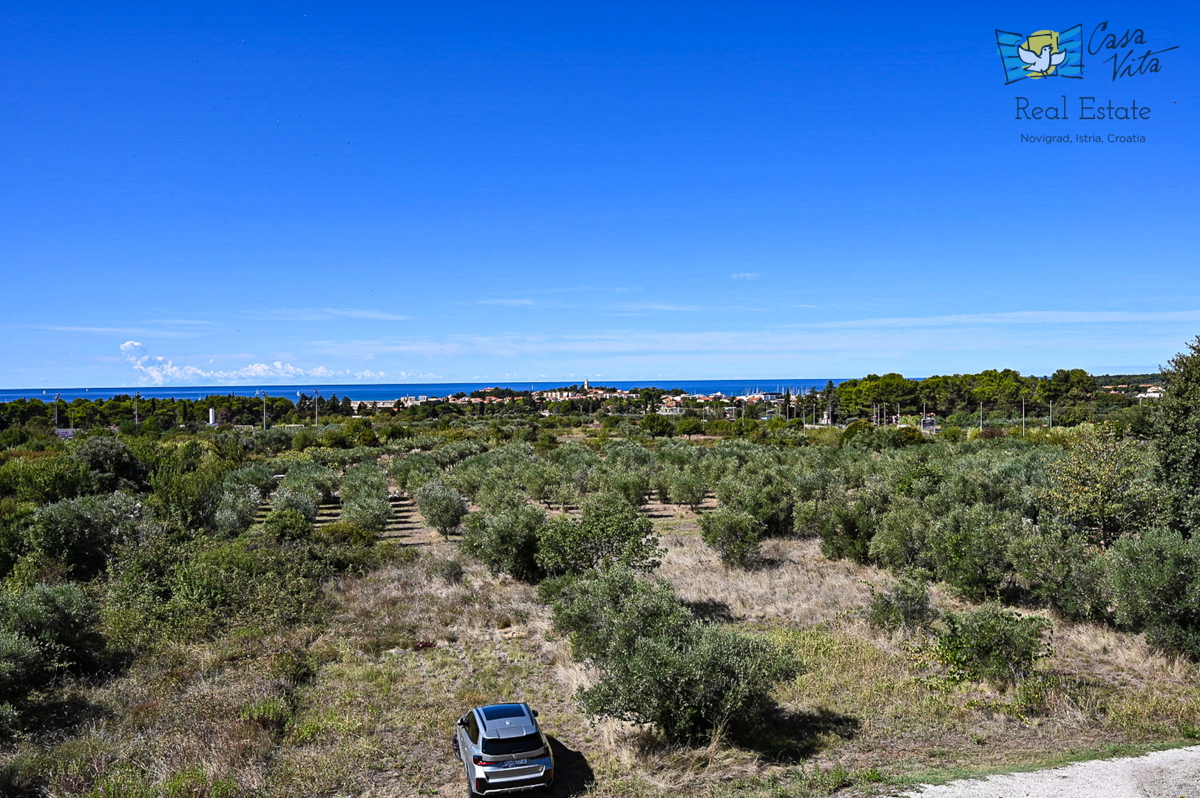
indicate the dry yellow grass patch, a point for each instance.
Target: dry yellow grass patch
{"x":796,"y":585}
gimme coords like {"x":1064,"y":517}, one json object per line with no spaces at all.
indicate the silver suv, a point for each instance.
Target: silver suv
{"x":503,"y":750}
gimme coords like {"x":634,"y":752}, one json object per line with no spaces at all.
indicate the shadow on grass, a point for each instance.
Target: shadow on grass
{"x":710,"y":610}
{"x":784,"y":736}
{"x":572,"y":773}
{"x":780,"y":736}
{"x":58,"y":714}
{"x":764,"y":563}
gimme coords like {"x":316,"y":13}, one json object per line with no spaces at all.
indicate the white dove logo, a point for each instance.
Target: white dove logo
{"x":1041,"y":54}
{"x":1041,"y":62}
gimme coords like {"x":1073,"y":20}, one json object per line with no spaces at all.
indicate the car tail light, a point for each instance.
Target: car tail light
{"x":479,"y":760}
{"x":481,"y":784}
{"x":549,"y":775}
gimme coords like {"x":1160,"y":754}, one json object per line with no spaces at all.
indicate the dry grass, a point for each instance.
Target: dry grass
{"x":875,"y":700}
{"x":795,"y":585}
{"x":365,"y":704}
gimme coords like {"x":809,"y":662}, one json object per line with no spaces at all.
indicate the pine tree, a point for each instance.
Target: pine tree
{"x":1177,"y":435}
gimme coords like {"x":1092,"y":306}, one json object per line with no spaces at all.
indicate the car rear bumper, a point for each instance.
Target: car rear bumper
{"x":495,"y":783}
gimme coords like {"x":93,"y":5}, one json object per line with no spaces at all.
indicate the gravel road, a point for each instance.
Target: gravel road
{"x":1163,"y":774}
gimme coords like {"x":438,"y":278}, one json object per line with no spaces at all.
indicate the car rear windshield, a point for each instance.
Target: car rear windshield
{"x":512,"y":745}
{"x":502,"y":711}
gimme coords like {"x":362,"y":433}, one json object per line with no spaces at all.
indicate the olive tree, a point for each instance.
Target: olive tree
{"x":442,"y":507}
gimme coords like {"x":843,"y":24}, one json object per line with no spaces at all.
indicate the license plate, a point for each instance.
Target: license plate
{"x":515,"y":763}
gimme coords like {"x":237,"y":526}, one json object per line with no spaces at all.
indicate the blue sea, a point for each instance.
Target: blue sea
{"x":379,"y":392}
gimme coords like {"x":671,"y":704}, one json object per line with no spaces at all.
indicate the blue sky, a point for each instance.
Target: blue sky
{"x":275,"y":193}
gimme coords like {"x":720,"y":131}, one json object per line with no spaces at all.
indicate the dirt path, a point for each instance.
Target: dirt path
{"x":1163,"y":774}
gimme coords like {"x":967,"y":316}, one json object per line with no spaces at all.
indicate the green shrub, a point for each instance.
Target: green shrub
{"x":605,"y":612}
{"x":658,"y":665}
{"x":304,"y":500}
{"x":1155,"y":584}
{"x":901,"y":539}
{"x":110,"y":463}
{"x":609,"y":532}
{"x":442,"y":507}
{"x":507,"y":541}
{"x":346,"y":533}
{"x":15,"y":517}
{"x":687,"y":487}
{"x":968,"y":546}
{"x":735,"y":536}
{"x":904,"y":605}
{"x":162,"y":589}
{"x":45,"y":631}
{"x":81,"y":533}
{"x":1103,"y":487}
{"x":766,"y":493}
{"x":709,"y":680}
{"x":44,"y":479}
{"x":287,"y":524}
{"x":848,"y":527}
{"x":365,"y":498}
{"x":236,"y":508}
{"x":1062,"y":571}
{"x":992,"y":644}
{"x":187,"y":487}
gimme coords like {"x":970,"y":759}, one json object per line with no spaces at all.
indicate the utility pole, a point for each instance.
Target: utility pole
{"x":136,"y":396}
{"x":57,"y":399}
{"x":263,"y":394}
{"x":317,"y":408}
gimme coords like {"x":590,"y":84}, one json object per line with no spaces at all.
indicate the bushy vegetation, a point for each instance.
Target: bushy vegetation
{"x":734,"y":535}
{"x":442,"y":507}
{"x":659,"y":665}
{"x":45,"y":631}
{"x":905,"y":605}
{"x":992,"y":643}
{"x":118,"y":552}
{"x":365,"y":497}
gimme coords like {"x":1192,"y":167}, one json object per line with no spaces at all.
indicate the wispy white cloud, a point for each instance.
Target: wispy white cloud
{"x":1021,"y":332}
{"x":159,"y":370}
{"x":325,"y":314}
{"x":664,"y":307}
{"x":1020,"y":317}
{"x":505,"y":302}
{"x":744,"y":276}
{"x":184,"y":322}
{"x":145,"y":332}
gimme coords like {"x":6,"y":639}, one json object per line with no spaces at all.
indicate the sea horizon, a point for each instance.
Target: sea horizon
{"x":360,"y":392}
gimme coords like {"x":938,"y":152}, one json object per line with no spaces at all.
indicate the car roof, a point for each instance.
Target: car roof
{"x":507,"y":720}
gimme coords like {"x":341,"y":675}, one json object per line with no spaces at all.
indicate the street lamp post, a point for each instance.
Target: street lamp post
{"x":57,"y":399}
{"x":316,"y":408}
{"x":136,"y":396}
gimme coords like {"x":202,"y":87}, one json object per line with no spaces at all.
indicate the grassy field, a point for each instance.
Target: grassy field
{"x":365,"y":703}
